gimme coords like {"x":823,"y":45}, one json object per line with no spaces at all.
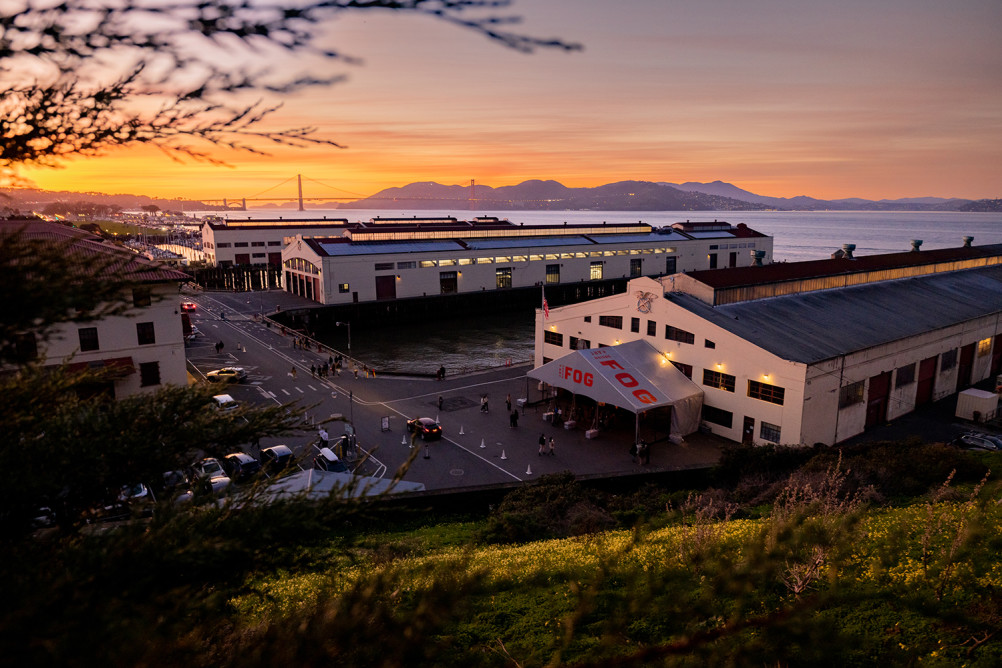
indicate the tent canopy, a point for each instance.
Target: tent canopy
{"x":632,"y":375}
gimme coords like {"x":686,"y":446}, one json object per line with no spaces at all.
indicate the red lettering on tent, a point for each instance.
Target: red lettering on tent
{"x":612,"y":364}
{"x":644,"y":396}
{"x":626,"y":379}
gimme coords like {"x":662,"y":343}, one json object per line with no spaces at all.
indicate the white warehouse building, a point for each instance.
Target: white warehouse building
{"x":808,"y":352}
{"x":387,"y":259}
{"x":226,"y":243}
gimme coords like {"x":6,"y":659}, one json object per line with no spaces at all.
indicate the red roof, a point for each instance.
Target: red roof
{"x":778,"y":272}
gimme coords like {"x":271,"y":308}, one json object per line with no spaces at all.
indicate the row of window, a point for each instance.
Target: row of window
{"x":501,"y":259}
{"x":767,"y":431}
{"x":145,"y":335}
{"x":241,"y":244}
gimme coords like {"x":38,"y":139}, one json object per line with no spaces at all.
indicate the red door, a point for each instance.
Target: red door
{"x":926,"y":381}
{"x":876,"y":399}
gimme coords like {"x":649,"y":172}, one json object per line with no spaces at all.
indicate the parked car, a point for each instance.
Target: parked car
{"x":979,"y":441}
{"x":188,"y":306}
{"x":425,"y":427}
{"x":326,"y":460}
{"x":209,"y":467}
{"x":175,"y":485}
{"x":212,"y":478}
{"x":240,"y":466}
{"x":225,"y":402}
{"x":228,"y":374}
{"x":276,"y":458}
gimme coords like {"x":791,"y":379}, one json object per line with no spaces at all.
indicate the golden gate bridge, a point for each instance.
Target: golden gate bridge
{"x":347,"y":196}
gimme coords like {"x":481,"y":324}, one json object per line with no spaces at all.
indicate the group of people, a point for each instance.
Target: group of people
{"x":543,"y":446}
{"x":332,"y":365}
{"x":640,"y":452}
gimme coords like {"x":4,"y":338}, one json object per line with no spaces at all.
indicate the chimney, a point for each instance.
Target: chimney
{"x":967,"y":241}
{"x":757,"y":256}
{"x":847,"y":249}
{"x":916,"y":243}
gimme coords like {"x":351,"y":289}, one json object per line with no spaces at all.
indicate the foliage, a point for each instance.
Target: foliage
{"x":80,"y":78}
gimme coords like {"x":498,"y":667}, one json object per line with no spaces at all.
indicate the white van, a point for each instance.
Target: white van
{"x":225,"y":402}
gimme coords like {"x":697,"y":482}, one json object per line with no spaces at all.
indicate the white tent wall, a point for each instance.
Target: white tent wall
{"x":632,"y":375}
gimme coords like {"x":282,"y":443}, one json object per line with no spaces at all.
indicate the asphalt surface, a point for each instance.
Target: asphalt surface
{"x":477,"y":449}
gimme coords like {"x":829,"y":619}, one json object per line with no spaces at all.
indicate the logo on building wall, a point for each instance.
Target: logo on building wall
{"x":299,"y":245}
{"x":645,"y":301}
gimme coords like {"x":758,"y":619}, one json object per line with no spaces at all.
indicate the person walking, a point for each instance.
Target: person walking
{"x":507,"y":402}
{"x":552,"y":451}
{"x":440,"y":402}
{"x":293,"y":372}
{"x":313,"y":371}
{"x":513,"y":419}
{"x":542,"y":444}
{"x":324,"y":438}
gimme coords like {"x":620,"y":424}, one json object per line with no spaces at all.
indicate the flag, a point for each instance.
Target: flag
{"x":546,"y":307}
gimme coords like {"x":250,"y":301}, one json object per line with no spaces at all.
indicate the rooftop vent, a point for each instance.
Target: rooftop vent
{"x":757,"y":256}
{"x":844,"y":253}
{"x":967,"y":241}
{"x":916,"y":243}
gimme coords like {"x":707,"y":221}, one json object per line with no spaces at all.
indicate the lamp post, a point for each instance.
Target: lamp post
{"x":348,"y":325}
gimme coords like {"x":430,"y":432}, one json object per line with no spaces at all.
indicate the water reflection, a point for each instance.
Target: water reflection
{"x":458,"y":344}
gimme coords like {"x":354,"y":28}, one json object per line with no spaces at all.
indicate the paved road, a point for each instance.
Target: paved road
{"x":476,"y":449}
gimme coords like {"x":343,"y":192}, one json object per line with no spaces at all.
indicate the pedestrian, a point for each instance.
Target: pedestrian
{"x":513,"y":419}
{"x":324,"y":438}
{"x":507,"y":401}
{"x":440,"y":402}
{"x":542,"y":444}
{"x":483,"y":404}
{"x":552,"y":451}
{"x":441,"y":373}
{"x":641,"y":451}
{"x":647,"y":454}
{"x":355,"y":369}
{"x":633,"y":453}
{"x":330,"y":361}
{"x":293,"y":372}
{"x":313,"y":371}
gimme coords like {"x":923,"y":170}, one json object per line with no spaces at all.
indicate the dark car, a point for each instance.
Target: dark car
{"x":426,"y":428}
{"x":229,"y":374}
{"x":326,"y":460}
{"x":240,"y":466}
{"x":276,"y":458}
{"x":977,"y":441}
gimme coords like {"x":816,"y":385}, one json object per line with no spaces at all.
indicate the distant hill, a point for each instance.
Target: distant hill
{"x":551,"y":196}
{"x":804,"y":203}
{"x":983,"y":206}
{"x":30,"y":199}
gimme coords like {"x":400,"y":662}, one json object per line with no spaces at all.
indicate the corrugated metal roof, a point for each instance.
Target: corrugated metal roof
{"x":525,"y":242}
{"x":718,"y":234}
{"x":816,"y":326}
{"x":635,"y":238}
{"x":383,"y":247}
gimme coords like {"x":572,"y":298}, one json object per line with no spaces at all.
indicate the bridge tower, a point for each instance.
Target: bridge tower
{"x":473,"y":195}
{"x":300,"y":177}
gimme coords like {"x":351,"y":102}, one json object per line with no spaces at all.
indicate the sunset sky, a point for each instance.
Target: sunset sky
{"x":860,"y":98}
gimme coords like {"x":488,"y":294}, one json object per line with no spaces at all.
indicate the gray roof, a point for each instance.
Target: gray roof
{"x":816,"y":326}
{"x":382,"y":247}
{"x":716,"y":234}
{"x":525,"y":242}
{"x":635,"y":238}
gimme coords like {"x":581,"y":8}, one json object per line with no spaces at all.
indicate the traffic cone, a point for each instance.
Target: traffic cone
{"x":427,"y":452}
{"x":403,"y":440}
{"x":503,"y":455}
{"x":461,"y":432}
{"x":528,"y":470}
{"x":482,"y":444}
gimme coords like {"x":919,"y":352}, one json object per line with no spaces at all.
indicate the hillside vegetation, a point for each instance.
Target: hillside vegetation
{"x":884,"y":555}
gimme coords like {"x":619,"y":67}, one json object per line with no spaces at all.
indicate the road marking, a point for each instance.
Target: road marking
{"x":287,"y":393}
{"x":299,"y":390}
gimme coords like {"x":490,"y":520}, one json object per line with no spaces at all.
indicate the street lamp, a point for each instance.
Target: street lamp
{"x":348,"y":325}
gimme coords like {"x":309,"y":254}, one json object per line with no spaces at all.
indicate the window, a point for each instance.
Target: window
{"x":503,"y":275}
{"x":141,"y":297}
{"x":240,"y":244}
{"x":671,"y":265}
{"x":905,"y":375}
{"x":596,"y":271}
{"x":718,"y":416}
{"x":149,"y":373}
{"x":766,"y":392}
{"x":636,"y":268}
{"x":635,"y":325}
{"x":721,"y":381}
{"x":984,"y":347}
{"x":676,"y":334}
{"x":407,"y":265}
{"x":428,"y":263}
{"x":712,"y":258}
{"x":553,"y":338}
{"x":684,"y":368}
{"x":652,"y":328}
{"x":257,"y":243}
{"x":145,"y":333}
{"x":851,"y":394}
{"x":384,"y":266}
{"x":223,"y":245}
{"x":769,"y":432}
{"x":614,"y":321}
{"x":342,"y":288}
{"x":274,"y":243}
{"x":587,"y":318}
{"x":88,"y":339}
{"x":948,"y":360}
{"x":709,"y":344}
{"x":553,"y":273}
{"x":259,"y":254}
{"x":579,"y":344}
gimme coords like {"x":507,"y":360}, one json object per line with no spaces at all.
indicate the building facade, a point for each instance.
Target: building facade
{"x":226,"y":243}
{"x":387,"y":259}
{"x":809,"y":352}
{"x":142,"y":347}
